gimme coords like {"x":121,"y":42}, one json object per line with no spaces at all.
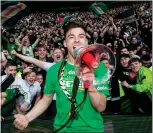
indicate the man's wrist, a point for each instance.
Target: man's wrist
{"x":27,"y":118}
{"x":92,"y":89}
{"x":130,"y":86}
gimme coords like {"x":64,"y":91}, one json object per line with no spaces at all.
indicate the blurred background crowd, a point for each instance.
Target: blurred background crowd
{"x":30,"y":47}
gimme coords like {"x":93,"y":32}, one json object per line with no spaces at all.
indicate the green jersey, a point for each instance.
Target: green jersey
{"x":88,"y":118}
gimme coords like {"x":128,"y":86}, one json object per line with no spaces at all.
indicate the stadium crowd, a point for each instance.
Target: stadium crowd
{"x":37,"y":43}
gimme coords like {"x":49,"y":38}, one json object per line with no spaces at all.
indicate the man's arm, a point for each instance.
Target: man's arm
{"x":20,"y":45}
{"x":29,"y":59}
{"x":40,"y":107}
{"x":38,"y":97}
{"x":35,"y":43}
{"x":144,"y":86}
{"x":22,"y":121}
{"x":98,"y":100}
{"x":114,"y":26}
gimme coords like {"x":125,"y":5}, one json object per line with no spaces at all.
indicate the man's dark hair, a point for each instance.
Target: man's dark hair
{"x":71,"y":25}
{"x":41,"y":46}
{"x":134,"y":60}
{"x":124,"y":48}
{"x":145,"y":57}
{"x":145,"y":48}
{"x":10,"y":63}
{"x":39,"y":73}
{"x":104,"y":59}
{"x":125,"y":55}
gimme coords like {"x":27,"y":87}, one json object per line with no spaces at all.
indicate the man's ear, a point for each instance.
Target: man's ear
{"x":64,"y":43}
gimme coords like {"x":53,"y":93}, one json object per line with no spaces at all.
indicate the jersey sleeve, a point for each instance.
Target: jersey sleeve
{"x":47,"y":65}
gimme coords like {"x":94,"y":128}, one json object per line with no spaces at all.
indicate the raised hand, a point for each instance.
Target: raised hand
{"x":13,"y":52}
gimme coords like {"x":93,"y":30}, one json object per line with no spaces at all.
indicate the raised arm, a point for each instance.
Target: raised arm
{"x":36,"y":42}
{"x":29,"y":59}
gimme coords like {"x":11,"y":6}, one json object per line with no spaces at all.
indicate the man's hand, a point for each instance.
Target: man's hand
{"x":87,"y":76}
{"x":5,"y":52}
{"x":27,"y":69}
{"x":20,"y":122}
{"x":13,"y":52}
{"x":124,"y":83}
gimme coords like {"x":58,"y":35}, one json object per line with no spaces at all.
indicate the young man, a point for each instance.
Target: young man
{"x":143,"y":85}
{"x":124,"y":73}
{"x":12,"y":91}
{"x":146,"y":61}
{"x":88,"y":117}
{"x":42,"y":54}
{"x":124,"y":50}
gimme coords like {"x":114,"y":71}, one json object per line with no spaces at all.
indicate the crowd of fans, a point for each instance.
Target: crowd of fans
{"x":37,"y":43}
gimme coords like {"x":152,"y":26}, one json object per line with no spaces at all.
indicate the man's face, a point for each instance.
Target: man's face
{"x":17,"y":34}
{"x":124,"y":62}
{"x":56,"y":39}
{"x":57,"y":55}
{"x":106,"y":63}
{"x":95,"y":34}
{"x":124,"y":51}
{"x":146,"y":26}
{"x":11,"y":70}
{"x":134,"y":40}
{"x":144,"y":52}
{"x":42,"y":52}
{"x":118,"y":28}
{"x":39,"y":78}
{"x":31,"y":78}
{"x":135,"y":66}
{"x":27,"y":42}
{"x":23,"y":65}
{"x":12,"y":39}
{"x":146,"y":63}
{"x":75,"y":37}
{"x":110,"y":31}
